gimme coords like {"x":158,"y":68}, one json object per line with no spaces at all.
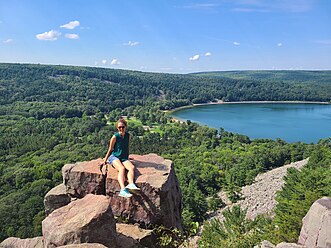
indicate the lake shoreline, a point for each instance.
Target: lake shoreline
{"x":169,"y":112}
{"x":291,"y":121}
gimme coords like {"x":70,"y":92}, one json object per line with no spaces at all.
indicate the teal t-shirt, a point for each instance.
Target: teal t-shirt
{"x":121,"y":147}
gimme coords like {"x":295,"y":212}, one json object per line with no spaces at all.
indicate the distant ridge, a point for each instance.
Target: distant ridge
{"x":298,"y":76}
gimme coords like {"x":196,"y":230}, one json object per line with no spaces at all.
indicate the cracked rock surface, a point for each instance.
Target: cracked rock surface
{"x":158,"y":202}
{"x":86,"y":220}
{"x":316,"y":225}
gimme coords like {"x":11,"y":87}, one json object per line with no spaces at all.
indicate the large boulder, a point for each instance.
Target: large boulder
{"x":289,"y":245}
{"x":56,"y":198}
{"x":131,"y":236}
{"x":87,"y":220}
{"x":86,"y":245}
{"x":84,"y":178}
{"x":12,"y":242}
{"x":265,"y":244}
{"x":159,"y":201}
{"x":316,"y":227}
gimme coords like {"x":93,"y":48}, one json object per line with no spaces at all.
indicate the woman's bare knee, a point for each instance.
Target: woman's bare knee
{"x":129,"y":166}
{"x":119,"y":166}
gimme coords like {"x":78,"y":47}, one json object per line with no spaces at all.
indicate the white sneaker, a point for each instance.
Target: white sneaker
{"x":125,"y":193}
{"x":132,"y":186}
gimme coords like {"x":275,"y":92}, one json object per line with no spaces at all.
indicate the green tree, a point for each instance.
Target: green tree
{"x":235,"y":231}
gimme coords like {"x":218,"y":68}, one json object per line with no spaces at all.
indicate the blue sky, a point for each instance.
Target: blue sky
{"x":168,"y":36}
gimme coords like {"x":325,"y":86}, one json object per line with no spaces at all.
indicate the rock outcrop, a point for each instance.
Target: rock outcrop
{"x":316,"y":227}
{"x":12,"y":242}
{"x":86,"y":245}
{"x":81,"y":210}
{"x":158,"y":203}
{"x":56,"y":198}
{"x":267,"y":244}
{"x":289,"y":245}
{"x":87,"y":220}
{"x":131,"y":236}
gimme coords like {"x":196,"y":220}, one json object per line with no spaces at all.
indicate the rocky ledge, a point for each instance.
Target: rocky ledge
{"x":82,"y":211}
{"x":315,"y":231}
{"x":158,"y":202}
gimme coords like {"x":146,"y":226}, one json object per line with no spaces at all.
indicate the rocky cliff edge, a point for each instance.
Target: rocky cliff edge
{"x":86,"y":210}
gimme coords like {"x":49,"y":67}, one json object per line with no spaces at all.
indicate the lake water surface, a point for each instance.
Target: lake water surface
{"x":289,"y":121}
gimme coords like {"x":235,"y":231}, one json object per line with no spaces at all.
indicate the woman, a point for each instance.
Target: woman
{"x":118,"y":156}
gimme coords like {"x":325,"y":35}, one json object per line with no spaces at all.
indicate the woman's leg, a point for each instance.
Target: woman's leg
{"x":130,"y":167}
{"x":121,"y":172}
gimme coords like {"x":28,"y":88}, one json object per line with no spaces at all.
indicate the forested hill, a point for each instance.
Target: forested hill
{"x":53,"y":115}
{"x":289,"y":76}
{"x":102,"y":90}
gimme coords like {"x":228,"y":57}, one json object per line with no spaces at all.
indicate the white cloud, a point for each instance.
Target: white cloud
{"x":236,"y":43}
{"x":264,"y":6}
{"x":132,"y":43}
{"x":72,"y":36}
{"x":114,"y":62}
{"x":206,"y":6}
{"x":248,"y":10}
{"x":195,"y":57}
{"x":8,"y":41}
{"x":71,"y":25}
{"x":104,"y":61}
{"x":50,"y":35}
{"x":207,"y":54}
{"x":279,"y":44}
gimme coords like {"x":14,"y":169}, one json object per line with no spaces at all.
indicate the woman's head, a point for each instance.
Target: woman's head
{"x":121,"y":125}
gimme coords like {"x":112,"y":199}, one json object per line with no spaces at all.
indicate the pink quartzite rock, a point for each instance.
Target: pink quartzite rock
{"x":86,"y":245}
{"x":22,"y":243}
{"x":159,"y":201}
{"x":289,"y":245}
{"x":87,"y":220}
{"x":83,"y":178}
{"x":131,"y":236}
{"x":316,"y":228}
{"x":265,"y":244}
{"x":56,"y":198}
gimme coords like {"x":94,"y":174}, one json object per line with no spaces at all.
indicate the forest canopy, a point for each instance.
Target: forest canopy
{"x":51,"y":115}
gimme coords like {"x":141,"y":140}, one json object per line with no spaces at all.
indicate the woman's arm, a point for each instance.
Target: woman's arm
{"x":110,"y":149}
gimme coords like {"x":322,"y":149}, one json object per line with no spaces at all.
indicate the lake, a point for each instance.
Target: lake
{"x":288,"y":121}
